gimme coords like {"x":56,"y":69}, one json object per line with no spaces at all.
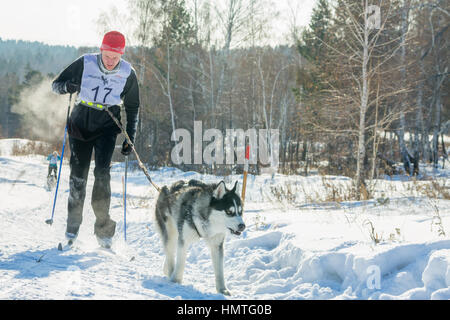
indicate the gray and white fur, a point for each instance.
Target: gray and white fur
{"x":189,"y":211}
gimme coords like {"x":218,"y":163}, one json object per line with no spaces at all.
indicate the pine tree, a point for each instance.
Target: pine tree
{"x":312,"y":45}
{"x":311,"y":77}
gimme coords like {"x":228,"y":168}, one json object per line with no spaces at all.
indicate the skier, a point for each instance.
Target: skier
{"x":101,"y":80}
{"x":53,"y":163}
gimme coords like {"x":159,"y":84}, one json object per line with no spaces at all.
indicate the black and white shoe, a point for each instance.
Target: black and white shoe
{"x":104,"y":242}
{"x":71,"y":237}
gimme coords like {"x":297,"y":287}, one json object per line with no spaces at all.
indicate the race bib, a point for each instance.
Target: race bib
{"x":100,"y":88}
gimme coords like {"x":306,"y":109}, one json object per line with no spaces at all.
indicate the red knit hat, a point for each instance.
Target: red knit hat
{"x":113,"y":41}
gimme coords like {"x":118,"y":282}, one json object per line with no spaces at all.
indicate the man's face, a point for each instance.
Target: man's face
{"x":110,"y":59}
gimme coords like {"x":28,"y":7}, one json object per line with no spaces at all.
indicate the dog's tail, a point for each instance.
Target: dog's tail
{"x":161,"y":209}
{"x":206,"y":187}
{"x":197,"y":183}
{"x":177,"y":186}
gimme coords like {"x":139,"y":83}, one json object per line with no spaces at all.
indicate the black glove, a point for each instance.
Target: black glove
{"x":72,"y":87}
{"x":126,"y":148}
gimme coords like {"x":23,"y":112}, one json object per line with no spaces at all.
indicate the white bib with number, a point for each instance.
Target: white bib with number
{"x":99,"y":87}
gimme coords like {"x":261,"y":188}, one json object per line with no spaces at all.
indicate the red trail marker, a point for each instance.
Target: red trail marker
{"x":244,"y":184}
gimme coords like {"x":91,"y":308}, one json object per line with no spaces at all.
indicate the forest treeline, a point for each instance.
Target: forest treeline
{"x":363,"y":87}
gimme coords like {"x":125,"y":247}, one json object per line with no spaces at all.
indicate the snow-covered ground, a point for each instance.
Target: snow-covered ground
{"x":304,"y":248}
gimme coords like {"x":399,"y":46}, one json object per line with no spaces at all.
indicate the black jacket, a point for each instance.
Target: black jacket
{"x":87,"y":123}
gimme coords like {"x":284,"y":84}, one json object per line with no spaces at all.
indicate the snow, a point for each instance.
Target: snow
{"x":309,"y":247}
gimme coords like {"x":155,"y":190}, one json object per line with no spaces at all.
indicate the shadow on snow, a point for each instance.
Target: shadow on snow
{"x":41,"y":263}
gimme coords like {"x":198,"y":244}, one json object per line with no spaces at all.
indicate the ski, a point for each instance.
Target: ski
{"x":107,"y":251}
{"x":104,"y":250}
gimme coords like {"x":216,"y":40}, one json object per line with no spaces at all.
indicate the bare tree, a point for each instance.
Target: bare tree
{"x":361,"y":50}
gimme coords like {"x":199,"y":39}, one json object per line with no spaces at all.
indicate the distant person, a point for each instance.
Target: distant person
{"x":53,"y":163}
{"x":100,"y":79}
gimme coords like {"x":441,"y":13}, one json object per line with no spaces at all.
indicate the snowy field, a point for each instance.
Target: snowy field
{"x":298,"y":243}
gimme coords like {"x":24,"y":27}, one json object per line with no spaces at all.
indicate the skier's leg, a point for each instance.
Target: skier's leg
{"x":101,"y":194}
{"x":53,"y":171}
{"x":80,"y":158}
{"x":49,"y":170}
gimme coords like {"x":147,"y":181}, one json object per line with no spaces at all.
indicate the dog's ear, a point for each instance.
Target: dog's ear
{"x":220,"y":190}
{"x":235,"y":188}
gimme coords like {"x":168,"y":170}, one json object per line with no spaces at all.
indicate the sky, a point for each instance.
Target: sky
{"x":53,"y":22}
{"x":63,"y":22}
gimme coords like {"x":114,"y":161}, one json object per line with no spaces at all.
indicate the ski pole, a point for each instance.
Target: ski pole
{"x":50,"y":221}
{"x":125,"y":199}
{"x":244,"y":183}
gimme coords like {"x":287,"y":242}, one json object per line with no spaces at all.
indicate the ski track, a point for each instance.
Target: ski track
{"x":297,"y":252}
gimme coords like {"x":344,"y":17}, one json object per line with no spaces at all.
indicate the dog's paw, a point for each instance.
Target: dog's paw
{"x":175,"y":279}
{"x":224,"y":291}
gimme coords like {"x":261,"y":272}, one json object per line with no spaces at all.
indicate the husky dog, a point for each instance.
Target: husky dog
{"x":51,"y":182}
{"x":189,"y":211}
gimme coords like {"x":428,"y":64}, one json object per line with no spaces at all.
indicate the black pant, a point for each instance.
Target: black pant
{"x":80,"y":158}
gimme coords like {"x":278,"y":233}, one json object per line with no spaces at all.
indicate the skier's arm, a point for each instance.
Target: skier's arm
{"x":72,"y":73}
{"x":131,"y":102}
